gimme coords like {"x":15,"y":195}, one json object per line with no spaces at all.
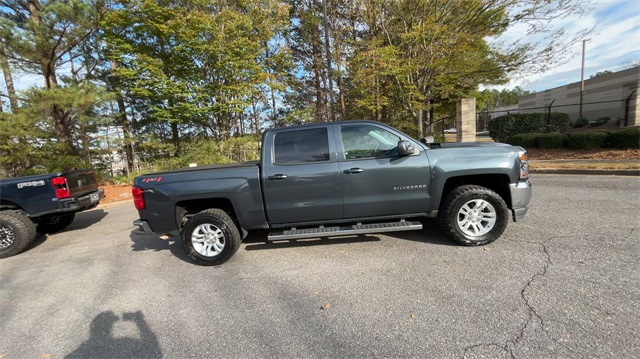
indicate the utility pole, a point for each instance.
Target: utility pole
{"x":327,"y":47}
{"x":582,"y":79}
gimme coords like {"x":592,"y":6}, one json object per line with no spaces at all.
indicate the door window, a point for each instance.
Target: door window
{"x":301,"y":146}
{"x":368,"y":142}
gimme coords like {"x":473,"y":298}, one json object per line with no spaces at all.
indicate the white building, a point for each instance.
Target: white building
{"x":613,"y":95}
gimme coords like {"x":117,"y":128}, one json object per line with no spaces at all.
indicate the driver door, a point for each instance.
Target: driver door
{"x":376,"y":180}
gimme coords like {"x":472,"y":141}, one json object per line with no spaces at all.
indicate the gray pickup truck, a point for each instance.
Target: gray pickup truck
{"x":333,"y":179}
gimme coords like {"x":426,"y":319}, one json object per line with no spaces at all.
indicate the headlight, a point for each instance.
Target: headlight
{"x":524,"y":164}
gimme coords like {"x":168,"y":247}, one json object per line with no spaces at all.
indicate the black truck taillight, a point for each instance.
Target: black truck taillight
{"x":60,"y":187}
{"x":138,"y":198}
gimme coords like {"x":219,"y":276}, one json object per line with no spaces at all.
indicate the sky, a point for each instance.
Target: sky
{"x":613,"y":44}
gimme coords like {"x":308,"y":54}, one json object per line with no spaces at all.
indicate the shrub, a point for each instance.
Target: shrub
{"x":581,"y":122}
{"x":588,"y":140}
{"x":526,"y":140}
{"x":501,"y":128}
{"x":625,"y":138}
{"x":552,"y":140}
{"x":600,"y":121}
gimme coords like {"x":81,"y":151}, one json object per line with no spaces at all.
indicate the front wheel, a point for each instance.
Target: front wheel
{"x":473,"y":215}
{"x":210,"y":237}
{"x":16,"y":232}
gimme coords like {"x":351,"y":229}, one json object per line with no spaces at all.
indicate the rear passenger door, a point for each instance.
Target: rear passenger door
{"x":301,"y":178}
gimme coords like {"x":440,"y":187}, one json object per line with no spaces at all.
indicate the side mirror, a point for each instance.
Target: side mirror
{"x":405,"y":148}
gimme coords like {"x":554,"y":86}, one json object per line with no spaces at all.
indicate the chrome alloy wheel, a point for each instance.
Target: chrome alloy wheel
{"x":208,"y":240}
{"x":476,"y":218}
{"x":7,"y":236}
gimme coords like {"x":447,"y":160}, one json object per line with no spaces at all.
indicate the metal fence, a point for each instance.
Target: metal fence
{"x":614,"y":112}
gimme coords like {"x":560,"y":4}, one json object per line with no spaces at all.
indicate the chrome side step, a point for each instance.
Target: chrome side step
{"x":359,"y":228}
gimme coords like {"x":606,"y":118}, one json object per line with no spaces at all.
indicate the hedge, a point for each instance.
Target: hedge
{"x":625,"y":138}
{"x":552,"y":140}
{"x":502,"y":127}
{"x":526,"y":140}
{"x":588,"y":140}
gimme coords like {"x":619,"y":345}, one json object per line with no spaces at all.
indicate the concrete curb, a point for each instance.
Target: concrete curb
{"x":568,"y":171}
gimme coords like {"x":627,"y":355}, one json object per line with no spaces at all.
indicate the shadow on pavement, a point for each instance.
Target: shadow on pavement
{"x":257,"y":240}
{"x":145,"y":242}
{"x":86,"y":219}
{"x":82,"y":220}
{"x":103,"y":342}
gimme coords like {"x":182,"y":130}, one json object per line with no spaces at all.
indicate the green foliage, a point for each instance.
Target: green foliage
{"x":600,"y":121}
{"x":552,"y":140}
{"x":29,"y":144}
{"x":500,"y":128}
{"x":625,"y":138}
{"x":581,"y":122}
{"x":525,"y":140}
{"x":205,"y":152}
{"x":588,"y":140}
{"x":487,"y":100}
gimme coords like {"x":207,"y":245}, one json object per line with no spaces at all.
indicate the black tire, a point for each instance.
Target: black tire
{"x":210,"y":237}
{"x":480,"y":205}
{"x":16,"y":232}
{"x":56,"y":223}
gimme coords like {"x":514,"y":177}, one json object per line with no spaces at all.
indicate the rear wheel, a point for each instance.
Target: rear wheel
{"x":210,"y":237}
{"x":473,"y":215}
{"x":52,"y":224}
{"x":16,"y":232}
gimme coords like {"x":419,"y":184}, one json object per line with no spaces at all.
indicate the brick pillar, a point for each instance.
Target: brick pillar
{"x":466,"y":120}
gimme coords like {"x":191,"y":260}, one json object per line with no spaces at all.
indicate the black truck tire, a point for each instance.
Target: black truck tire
{"x":16,"y":232}
{"x":473,"y":215}
{"x":55,"y":223}
{"x":210,"y":237}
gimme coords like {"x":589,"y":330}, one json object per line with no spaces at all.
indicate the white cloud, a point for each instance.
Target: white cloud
{"x":614,"y":42}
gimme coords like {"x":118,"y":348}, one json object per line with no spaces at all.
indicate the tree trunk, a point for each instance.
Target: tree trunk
{"x":8,"y":79}
{"x":317,"y":63}
{"x":62,"y":128}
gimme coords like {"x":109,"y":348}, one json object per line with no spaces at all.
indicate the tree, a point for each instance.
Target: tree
{"x":43,"y":36}
{"x":601,"y":73}
{"x":436,"y":52}
{"x":192,"y":68}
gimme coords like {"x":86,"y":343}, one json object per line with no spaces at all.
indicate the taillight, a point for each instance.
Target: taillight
{"x":138,"y":198}
{"x":61,"y":187}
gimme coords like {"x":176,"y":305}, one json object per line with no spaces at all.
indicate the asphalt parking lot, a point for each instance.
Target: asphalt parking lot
{"x":563,"y":283}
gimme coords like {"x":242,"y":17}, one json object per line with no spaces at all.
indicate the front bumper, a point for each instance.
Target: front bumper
{"x":143,"y":226}
{"x":520,"y":198}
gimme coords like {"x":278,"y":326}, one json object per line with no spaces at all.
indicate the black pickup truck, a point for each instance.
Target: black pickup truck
{"x":333,"y":179}
{"x":43,"y":203}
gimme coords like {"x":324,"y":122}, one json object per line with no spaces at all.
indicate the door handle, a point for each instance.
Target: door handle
{"x":277,"y":177}
{"x":354,"y":171}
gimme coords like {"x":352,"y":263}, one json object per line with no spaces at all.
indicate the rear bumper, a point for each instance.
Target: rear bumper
{"x":143,"y":226}
{"x":82,"y":203}
{"x":520,"y":198}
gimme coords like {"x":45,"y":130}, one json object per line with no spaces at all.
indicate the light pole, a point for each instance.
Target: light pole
{"x":582,"y":79}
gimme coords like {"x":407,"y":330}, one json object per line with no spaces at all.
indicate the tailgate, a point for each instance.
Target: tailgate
{"x":81,"y":182}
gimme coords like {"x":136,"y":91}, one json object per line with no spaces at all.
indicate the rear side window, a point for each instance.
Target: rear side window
{"x":301,"y":146}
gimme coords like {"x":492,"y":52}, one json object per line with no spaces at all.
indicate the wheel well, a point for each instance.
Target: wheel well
{"x":498,"y":183}
{"x":186,"y":209}
{"x":6,"y":205}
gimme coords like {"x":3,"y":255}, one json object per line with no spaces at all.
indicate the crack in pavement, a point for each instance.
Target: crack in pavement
{"x":509,"y":345}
